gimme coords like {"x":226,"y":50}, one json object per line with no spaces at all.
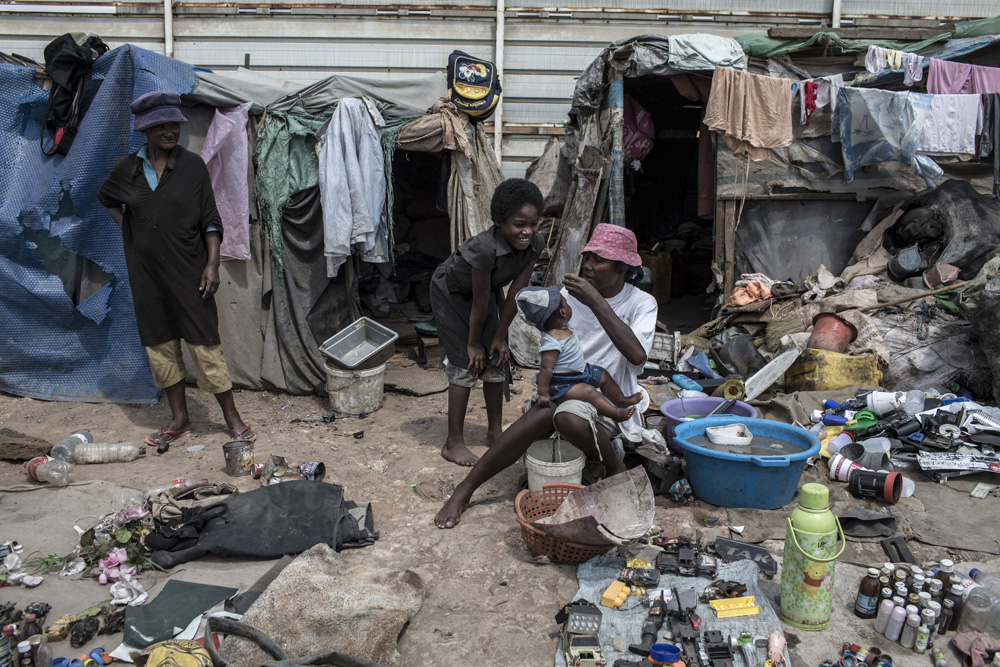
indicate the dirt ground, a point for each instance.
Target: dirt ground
{"x":485,"y":596}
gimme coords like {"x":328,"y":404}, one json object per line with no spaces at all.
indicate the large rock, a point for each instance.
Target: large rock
{"x":324,"y":601}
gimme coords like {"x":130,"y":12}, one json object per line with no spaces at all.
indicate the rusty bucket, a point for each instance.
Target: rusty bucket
{"x":831,"y":332}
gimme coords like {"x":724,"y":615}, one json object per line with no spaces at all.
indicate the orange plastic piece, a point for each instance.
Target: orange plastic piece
{"x":616,"y":594}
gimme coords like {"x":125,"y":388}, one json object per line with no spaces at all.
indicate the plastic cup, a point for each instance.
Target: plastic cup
{"x":841,"y":468}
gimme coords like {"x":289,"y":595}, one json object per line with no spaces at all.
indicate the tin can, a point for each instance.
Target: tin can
{"x":313,"y":470}
{"x":257,"y":470}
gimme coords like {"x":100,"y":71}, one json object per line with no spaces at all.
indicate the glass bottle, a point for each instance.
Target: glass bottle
{"x":955,"y":595}
{"x":914,"y":599}
{"x":885,"y":594}
{"x":947,"y":613}
{"x":917,"y":583}
{"x":925,"y":599}
{"x":30,"y":627}
{"x":929,"y":618}
{"x":923,"y":637}
{"x":866,"y":601}
{"x":10,"y":637}
{"x":24,"y":655}
{"x":944,"y":572}
{"x":935,"y":588}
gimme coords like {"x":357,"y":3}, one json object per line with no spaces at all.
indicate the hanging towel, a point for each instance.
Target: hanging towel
{"x":893,"y":59}
{"x":750,"y":111}
{"x":825,"y":94}
{"x":950,"y":78}
{"x":877,"y":126}
{"x":227,"y":155}
{"x":950,"y":125}
{"x":352,"y":185}
{"x":875,"y":60}
{"x":913,"y":68}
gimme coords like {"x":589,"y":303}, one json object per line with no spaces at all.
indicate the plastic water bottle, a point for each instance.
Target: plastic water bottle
{"x":914,"y":402}
{"x":179,"y":483}
{"x":59,"y":473}
{"x":990,"y":582}
{"x":63,"y":450}
{"x":107,"y":452}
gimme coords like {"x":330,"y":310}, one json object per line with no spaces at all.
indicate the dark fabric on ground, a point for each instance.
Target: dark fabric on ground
{"x":163,"y":233}
{"x":269,"y":522}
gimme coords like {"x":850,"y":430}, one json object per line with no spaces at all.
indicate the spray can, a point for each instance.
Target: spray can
{"x":810,"y":556}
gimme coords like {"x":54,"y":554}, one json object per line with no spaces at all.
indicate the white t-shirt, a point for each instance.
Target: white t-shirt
{"x":638,"y":311}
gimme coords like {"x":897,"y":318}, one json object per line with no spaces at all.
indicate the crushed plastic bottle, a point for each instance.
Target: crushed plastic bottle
{"x":990,"y":582}
{"x":59,"y":473}
{"x":107,"y":452}
{"x":63,"y":450}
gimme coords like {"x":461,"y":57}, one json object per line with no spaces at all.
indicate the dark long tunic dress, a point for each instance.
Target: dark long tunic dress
{"x":163,"y":232}
{"x":451,"y":288}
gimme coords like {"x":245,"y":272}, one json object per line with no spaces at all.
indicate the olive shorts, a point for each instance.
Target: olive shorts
{"x":167,"y":363}
{"x":463,"y":377}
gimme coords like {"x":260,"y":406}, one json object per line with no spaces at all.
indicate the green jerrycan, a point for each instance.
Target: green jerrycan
{"x":810,"y":556}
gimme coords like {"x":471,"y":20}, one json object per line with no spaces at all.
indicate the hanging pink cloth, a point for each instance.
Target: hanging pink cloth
{"x":227,"y":155}
{"x":809,"y":96}
{"x":950,"y":78}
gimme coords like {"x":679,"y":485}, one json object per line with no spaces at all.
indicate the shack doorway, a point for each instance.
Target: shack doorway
{"x":669,"y":197}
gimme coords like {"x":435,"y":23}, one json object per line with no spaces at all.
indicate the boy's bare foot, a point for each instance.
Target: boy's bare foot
{"x":456,"y":452}
{"x":624,"y":414}
{"x":450,"y":514}
{"x":634,"y":399}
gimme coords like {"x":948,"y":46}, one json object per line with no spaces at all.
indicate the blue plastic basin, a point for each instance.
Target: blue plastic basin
{"x":741,"y":480}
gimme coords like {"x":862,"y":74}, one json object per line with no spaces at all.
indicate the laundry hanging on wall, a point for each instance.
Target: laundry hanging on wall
{"x":951,"y":78}
{"x":352,"y":185}
{"x":750,"y":111}
{"x":876,"y":126}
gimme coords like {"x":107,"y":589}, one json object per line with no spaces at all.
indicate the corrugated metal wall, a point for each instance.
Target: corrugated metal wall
{"x":545,"y":48}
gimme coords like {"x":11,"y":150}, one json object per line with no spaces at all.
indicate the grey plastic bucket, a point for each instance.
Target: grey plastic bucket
{"x":354,"y":392}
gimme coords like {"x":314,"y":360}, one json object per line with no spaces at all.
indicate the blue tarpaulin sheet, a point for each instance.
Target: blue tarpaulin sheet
{"x":51,"y":348}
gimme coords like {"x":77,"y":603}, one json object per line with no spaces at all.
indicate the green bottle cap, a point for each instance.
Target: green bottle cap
{"x":814,"y":496}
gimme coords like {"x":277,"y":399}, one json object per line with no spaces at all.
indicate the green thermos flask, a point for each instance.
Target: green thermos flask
{"x":810,"y":556}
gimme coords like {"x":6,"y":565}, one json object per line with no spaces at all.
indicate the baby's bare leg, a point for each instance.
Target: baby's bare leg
{"x":610,"y":388}
{"x":590,"y":394}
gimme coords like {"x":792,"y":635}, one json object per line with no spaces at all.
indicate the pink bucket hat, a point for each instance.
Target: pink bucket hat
{"x":615,"y":243}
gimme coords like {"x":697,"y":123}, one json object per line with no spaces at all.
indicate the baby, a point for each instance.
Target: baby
{"x":565,"y":374}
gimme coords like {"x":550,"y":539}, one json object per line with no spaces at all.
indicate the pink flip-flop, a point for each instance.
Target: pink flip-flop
{"x":246,"y":434}
{"x":157,"y":439}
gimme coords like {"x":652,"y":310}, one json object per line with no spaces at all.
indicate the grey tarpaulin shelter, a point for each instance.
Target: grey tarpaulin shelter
{"x":272,"y":322}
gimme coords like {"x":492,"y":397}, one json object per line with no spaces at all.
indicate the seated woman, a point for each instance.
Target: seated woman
{"x":615,"y":323}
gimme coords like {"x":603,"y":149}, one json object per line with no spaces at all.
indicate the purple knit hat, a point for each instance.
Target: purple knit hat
{"x":159,"y":106}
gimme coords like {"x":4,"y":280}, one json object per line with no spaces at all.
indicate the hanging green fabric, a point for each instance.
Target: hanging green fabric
{"x":390,"y":139}
{"x":978,"y":27}
{"x":768,"y":47}
{"x":286,"y":164}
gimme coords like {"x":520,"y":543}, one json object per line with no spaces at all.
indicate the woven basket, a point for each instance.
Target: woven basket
{"x":534,"y":506}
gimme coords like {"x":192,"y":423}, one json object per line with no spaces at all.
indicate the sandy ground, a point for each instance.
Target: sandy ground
{"x":485,"y":596}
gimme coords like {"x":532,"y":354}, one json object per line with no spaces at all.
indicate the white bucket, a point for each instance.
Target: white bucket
{"x":553,"y":460}
{"x":354,"y":392}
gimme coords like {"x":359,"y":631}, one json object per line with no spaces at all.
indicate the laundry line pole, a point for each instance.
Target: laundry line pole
{"x":168,"y":28}
{"x":616,"y":101}
{"x":498,"y":116}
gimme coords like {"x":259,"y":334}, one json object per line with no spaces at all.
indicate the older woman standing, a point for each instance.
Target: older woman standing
{"x":161,"y":197}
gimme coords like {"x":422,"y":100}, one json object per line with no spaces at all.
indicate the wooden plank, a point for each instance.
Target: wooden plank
{"x":914,"y":34}
{"x":729,"y":233}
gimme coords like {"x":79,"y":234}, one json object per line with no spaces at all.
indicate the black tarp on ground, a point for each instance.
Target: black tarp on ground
{"x":269,"y":522}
